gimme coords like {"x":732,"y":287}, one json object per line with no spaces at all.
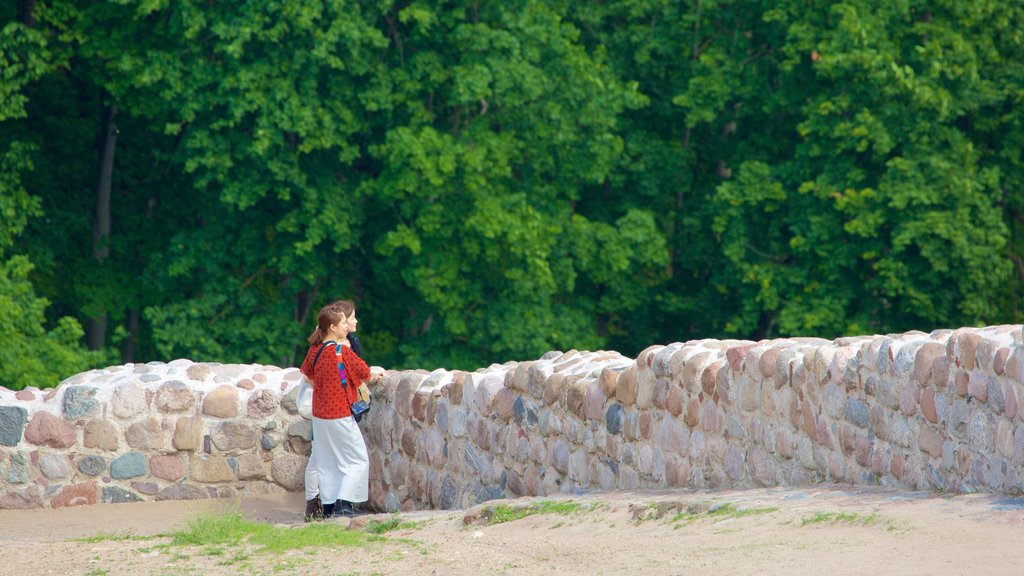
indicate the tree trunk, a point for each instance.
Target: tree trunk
{"x":27,"y":13}
{"x":97,"y":328}
{"x":130,"y":344}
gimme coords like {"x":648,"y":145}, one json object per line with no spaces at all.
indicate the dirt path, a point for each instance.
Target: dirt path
{"x":823,"y":530}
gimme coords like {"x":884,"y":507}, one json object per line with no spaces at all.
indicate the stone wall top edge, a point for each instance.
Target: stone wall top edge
{"x":207,"y":376}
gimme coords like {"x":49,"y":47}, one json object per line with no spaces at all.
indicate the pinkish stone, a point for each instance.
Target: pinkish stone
{"x":24,"y":395}
{"x":553,"y":388}
{"x":245,"y":384}
{"x":862,"y":450}
{"x":924,"y":360}
{"x":677,"y":472}
{"x":75,"y":495}
{"x":222,"y":402}
{"x":909,"y":396}
{"x":625,"y":387}
{"x":709,"y":377}
{"x":784,"y":442}
{"x":929,"y":441}
{"x":736,"y":354}
{"x":810,"y":427}
{"x":594,"y":401}
{"x":608,"y":381}
{"x":928,"y":406}
{"x":978,"y":389}
{"x":847,"y":437}
{"x":962,"y":385}
{"x":823,"y":435}
{"x":897,"y":466}
{"x":21,"y":500}
{"x":45,"y":429}
{"x":692,"y":417}
{"x":261,"y":404}
{"x":968,"y":342}
{"x":147,"y":488}
{"x":766,"y":363}
{"x":421,"y":399}
{"x":675,"y":400}
{"x":645,"y":425}
{"x":1010,"y":402}
{"x":169,"y":467}
{"x":999,"y":362}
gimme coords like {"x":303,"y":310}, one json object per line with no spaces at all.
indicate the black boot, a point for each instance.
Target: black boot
{"x":329,"y":510}
{"x":345,"y":509}
{"x":314,"y":510}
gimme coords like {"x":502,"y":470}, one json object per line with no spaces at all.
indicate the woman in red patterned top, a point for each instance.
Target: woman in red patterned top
{"x":342,"y":463}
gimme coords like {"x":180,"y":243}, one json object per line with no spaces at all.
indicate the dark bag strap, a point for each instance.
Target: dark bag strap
{"x":312,"y":368}
{"x":317,"y":357}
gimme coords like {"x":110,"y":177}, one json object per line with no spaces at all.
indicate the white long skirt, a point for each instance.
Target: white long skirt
{"x":339,"y":466}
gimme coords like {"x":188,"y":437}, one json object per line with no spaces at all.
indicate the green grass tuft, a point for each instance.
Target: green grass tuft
{"x":840,"y":517}
{"x":233,"y":529}
{"x":507,"y":513}
{"x":393,"y":523}
{"x":112,"y":537}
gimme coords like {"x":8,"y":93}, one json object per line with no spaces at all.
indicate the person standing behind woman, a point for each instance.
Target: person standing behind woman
{"x":342,"y":463}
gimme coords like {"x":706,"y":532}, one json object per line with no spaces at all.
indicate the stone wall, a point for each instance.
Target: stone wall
{"x":941,"y":411}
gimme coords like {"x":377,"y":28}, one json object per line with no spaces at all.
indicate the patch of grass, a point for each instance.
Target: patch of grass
{"x":507,"y":513}
{"x":732,"y":511}
{"x":833,"y":518}
{"x":97,"y":572}
{"x":718,"y":512}
{"x":112,"y":537}
{"x":232,"y":529}
{"x":393,"y":523}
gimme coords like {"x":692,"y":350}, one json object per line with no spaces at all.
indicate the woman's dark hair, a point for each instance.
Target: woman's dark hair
{"x":333,"y":313}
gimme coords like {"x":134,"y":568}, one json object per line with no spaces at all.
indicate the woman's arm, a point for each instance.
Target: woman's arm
{"x":354,"y":365}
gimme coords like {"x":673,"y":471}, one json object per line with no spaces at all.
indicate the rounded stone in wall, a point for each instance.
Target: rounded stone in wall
{"x":79,"y":402}
{"x":174,"y":396}
{"x":145,"y":435}
{"x":289,"y":471}
{"x":250,"y":467}
{"x":130,"y":465}
{"x":210,"y":469}
{"x":262,"y":403}
{"x":54,"y":466}
{"x":188,"y":433}
{"x":101,"y":434}
{"x":45,"y":429}
{"x":92,"y":465}
{"x":12,"y":423}
{"x":234,"y":435}
{"x":221,"y":402}
{"x":167,"y":466}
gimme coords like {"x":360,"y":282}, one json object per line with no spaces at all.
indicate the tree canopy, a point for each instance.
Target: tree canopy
{"x":490,"y":181}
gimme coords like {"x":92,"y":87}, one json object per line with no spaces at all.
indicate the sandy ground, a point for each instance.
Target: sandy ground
{"x":830,"y":530}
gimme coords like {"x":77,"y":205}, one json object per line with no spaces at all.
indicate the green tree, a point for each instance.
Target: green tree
{"x":31,"y":354}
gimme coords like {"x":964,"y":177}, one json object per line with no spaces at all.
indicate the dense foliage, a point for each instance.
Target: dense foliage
{"x":490,"y":181}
